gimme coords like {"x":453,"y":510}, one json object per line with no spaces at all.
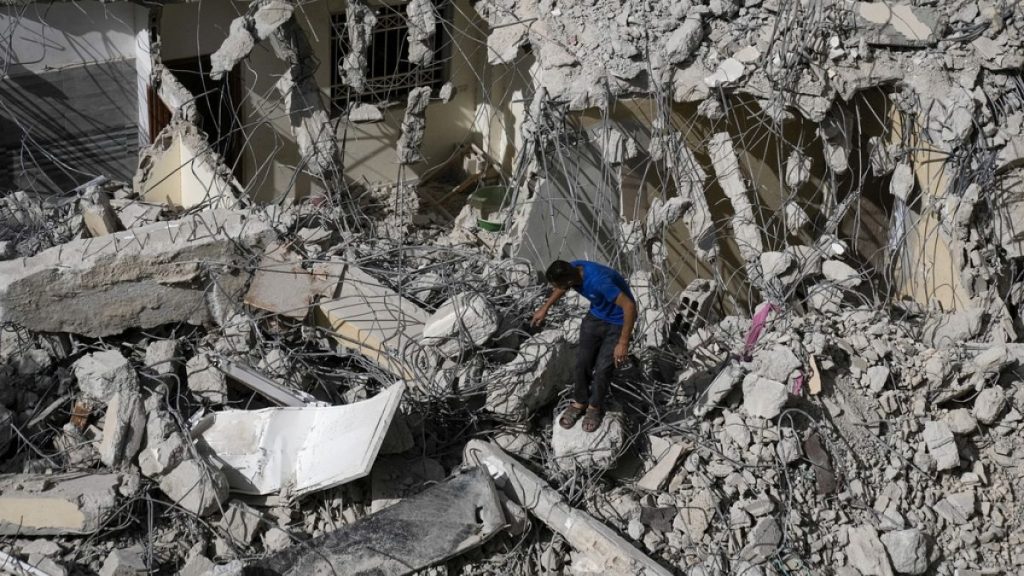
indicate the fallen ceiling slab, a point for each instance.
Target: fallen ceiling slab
{"x":441,"y":522}
{"x":286,"y":449}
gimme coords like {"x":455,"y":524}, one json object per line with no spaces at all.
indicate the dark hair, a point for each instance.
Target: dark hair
{"x":561,"y":273}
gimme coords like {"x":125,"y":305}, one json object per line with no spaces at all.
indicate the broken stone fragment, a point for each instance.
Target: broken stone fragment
{"x":196,"y":487}
{"x":775,"y":264}
{"x":720,"y":387}
{"x":729,"y":71}
{"x":902,"y":182}
{"x":956,"y":509}
{"x":798,"y":169}
{"x":72,"y":503}
{"x":542,"y":366}
{"x":989,"y":404}
{"x":946,"y":330}
{"x":97,"y":213}
{"x":941,"y":444}
{"x":241,"y":522}
{"x":600,"y":449}
{"x":206,"y":381}
{"x":908,"y":550}
{"x":762,"y":542}
{"x":777,"y":363}
{"x":465,"y":321}
{"x":840,"y":273}
{"x":414,"y":125}
{"x":103,"y":286}
{"x":422,"y":24}
{"x":898,"y":24}
{"x":763,"y":398}
{"x":696,"y":516}
{"x":163,"y":359}
{"x":960,"y":421}
{"x":124,"y":562}
{"x":124,"y":427}
{"x":102,"y":374}
{"x":866,"y":552}
{"x":685,"y":40}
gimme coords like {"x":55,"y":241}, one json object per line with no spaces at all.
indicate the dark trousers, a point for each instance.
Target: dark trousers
{"x":595,"y":360}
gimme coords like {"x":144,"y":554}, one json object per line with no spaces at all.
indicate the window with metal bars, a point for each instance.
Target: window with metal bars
{"x":389,"y":74}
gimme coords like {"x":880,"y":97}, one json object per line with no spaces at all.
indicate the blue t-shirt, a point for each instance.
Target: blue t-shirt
{"x":602,"y":285}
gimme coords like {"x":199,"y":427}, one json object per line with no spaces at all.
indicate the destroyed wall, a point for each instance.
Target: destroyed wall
{"x":271,"y":157}
{"x":70,"y":93}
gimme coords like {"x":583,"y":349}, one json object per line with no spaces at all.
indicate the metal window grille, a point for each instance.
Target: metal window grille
{"x":389,"y":74}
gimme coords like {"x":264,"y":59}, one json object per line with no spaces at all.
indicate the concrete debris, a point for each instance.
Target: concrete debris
{"x":463,"y":322}
{"x":908,"y":550}
{"x":124,"y":562}
{"x":265,"y":275}
{"x":103,"y":374}
{"x":196,"y":487}
{"x":762,"y":397}
{"x":73,"y":503}
{"x":989,"y":405}
{"x":414,"y":123}
{"x":275,"y":449}
{"x":532,"y":379}
{"x":103,"y":286}
{"x":941,"y":445}
{"x":866,"y":552}
{"x":605,"y":550}
{"x":600,"y":449}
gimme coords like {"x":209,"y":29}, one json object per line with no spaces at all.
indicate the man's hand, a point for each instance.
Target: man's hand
{"x":539,"y":316}
{"x":621,"y":353}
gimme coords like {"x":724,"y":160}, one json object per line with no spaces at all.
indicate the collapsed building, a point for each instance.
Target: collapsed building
{"x":267,"y":269}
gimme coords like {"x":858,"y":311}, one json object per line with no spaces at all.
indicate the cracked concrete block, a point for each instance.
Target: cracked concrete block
{"x":908,"y":550}
{"x":840,"y":273}
{"x":762,"y":397}
{"x":542,"y":366}
{"x":600,"y":449}
{"x":898,"y":24}
{"x":205,"y":380}
{"x":125,"y":562}
{"x":762,"y":542}
{"x":463,"y":322}
{"x":989,"y":404}
{"x":102,"y":374}
{"x":866,"y":552}
{"x":941,"y":444}
{"x":196,"y":487}
{"x":124,"y":427}
{"x":141,"y":278}
{"x":961,"y":421}
{"x":73,"y":503}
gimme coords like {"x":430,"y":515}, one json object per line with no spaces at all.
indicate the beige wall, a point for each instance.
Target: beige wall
{"x":178,"y":178}
{"x":269,"y":153}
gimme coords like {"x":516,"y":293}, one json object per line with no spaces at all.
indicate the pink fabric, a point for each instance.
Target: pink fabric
{"x":757,"y":327}
{"x":798,"y":383}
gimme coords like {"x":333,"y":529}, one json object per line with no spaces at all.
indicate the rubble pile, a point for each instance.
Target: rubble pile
{"x":342,"y":384}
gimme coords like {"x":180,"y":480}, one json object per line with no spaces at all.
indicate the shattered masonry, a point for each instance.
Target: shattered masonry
{"x":267,"y":271}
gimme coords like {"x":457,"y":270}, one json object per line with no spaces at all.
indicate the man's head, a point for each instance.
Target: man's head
{"x":562,"y":275}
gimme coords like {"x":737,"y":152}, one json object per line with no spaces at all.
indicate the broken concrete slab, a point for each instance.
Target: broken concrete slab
{"x":163,"y":359}
{"x":600,"y":449}
{"x":989,"y":404}
{"x":762,"y":542}
{"x":665,"y":453}
{"x":125,"y":562}
{"x":375,"y":321}
{"x":72,"y":503}
{"x":140,"y":278}
{"x":745,"y":228}
{"x":762,"y":397}
{"x":242,"y":522}
{"x":281,"y":449}
{"x":840,"y":273}
{"x":941,"y":445}
{"x":281,"y":285}
{"x":124,"y":426}
{"x":946,"y":330}
{"x":533,"y":378}
{"x":196,"y":486}
{"x":206,"y":381}
{"x":866,"y":552}
{"x":898,"y":24}
{"x":908,"y":550}
{"x":604,"y":548}
{"x":439,"y":523}
{"x":724,"y":382}
{"x":466,"y":320}
{"x":102,"y":374}
{"x":98,"y":215}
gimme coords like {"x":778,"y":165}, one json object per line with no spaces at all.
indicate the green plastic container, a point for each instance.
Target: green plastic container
{"x":487,"y":200}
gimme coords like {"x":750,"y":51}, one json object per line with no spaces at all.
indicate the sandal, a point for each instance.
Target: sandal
{"x":571,"y":415}
{"x":592,"y":421}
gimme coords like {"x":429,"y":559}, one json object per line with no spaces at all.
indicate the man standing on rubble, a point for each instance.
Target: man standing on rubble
{"x":604,"y":335}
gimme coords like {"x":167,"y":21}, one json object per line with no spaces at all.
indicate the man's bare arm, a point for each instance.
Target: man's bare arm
{"x":628,"y":322}
{"x":542,"y":312}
